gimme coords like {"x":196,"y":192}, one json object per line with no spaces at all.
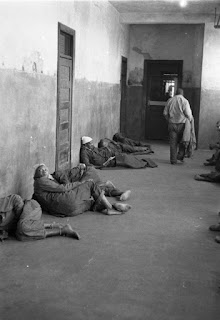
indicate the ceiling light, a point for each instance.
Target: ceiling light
{"x":183,"y":3}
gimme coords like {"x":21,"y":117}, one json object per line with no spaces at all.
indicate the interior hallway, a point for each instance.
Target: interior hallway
{"x":157,"y":261}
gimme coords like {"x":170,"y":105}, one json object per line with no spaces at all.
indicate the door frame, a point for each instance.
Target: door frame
{"x":71,"y":32}
{"x":146,"y":86}
{"x":123,"y":102}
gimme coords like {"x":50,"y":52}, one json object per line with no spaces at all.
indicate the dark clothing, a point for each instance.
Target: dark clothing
{"x":10,"y":211}
{"x":21,"y":218}
{"x":68,"y":199}
{"x":118,"y":137}
{"x":119,"y":147}
{"x":76,"y":174}
{"x":30,"y":226}
{"x":97,"y":156}
{"x":73,"y":175}
{"x":175,"y":133}
{"x":213,"y":176}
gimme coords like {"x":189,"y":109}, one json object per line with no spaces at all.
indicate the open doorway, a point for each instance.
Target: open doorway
{"x":161,"y":79}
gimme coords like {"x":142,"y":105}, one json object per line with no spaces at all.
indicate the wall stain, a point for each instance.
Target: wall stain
{"x":33,"y":63}
{"x":136,"y":76}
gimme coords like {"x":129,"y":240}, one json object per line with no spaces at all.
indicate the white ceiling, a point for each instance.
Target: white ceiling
{"x":166,"y":11}
{"x":168,"y":6}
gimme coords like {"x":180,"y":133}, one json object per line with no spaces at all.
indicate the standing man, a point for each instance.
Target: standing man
{"x":176,"y":112}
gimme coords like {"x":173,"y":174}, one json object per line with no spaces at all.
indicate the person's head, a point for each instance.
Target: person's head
{"x":102,"y":143}
{"x":218,"y":125}
{"x":179,"y":91}
{"x":41,"y":171}
{"x":87,"y":141}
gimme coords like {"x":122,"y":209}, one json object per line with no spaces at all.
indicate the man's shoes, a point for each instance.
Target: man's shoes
{"x":173,"y":162}
{"x":215,"y":227}
{"x":217,"y":239}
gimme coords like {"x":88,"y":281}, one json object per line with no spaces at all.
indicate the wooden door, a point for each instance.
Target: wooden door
{"x":123,"y":105}
{"x":66,"y":39}
{"x":159,"y":76}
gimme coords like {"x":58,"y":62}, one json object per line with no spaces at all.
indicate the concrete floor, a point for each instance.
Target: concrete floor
{"x":159,"y":261}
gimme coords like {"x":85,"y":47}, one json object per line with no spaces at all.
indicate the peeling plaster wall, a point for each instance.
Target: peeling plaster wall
{"x":164,"y":42}
{"x":28,"y":68}
{"x":210,"y":94}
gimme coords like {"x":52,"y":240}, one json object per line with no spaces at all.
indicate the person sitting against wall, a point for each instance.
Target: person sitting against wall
{"x":22,"y":219}
{"x":122,"y":147}
{"x":71,"y":199}
{"x":106,"y":157}
{"x":214,"y":146}
{"x":118,"y":137}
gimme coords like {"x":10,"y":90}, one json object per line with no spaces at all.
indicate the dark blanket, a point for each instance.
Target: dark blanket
{"x":10,"y":211}
{"x":76,"y":174}
{"x":127,"y":161}
{"x":61,"y":200}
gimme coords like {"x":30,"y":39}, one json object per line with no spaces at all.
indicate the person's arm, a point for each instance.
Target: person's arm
{"x":84,"y":157}
{"x":187,"y":110}
{"x":165,"y":111}
{"x":48,"y":185}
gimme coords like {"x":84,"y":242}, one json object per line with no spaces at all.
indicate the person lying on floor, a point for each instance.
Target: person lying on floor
{"x":214,"y":146}
{"x":105,"y":157}
{"x":71,"y":199}
{"x":83,"y":173}
{"x":118,"y":137}
{"x":121,"y":147}
{"x":213,"y":176}
{"x":22,"y":219}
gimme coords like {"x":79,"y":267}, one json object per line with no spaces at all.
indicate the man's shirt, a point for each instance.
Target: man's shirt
{"x":177,"y":110}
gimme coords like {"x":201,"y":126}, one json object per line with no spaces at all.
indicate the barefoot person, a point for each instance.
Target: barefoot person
{"x":69,"y":199}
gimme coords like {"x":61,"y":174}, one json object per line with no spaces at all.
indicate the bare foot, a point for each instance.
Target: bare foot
{"x":125,"y":195}
{"x":111,"y":212}
{"x":68,"y":231}
{"x":122,"y":207}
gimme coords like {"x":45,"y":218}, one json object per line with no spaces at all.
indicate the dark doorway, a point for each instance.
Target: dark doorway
{"x":123,"y":105}
{"x":66,"y":53}
{"x":161,"y":78}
